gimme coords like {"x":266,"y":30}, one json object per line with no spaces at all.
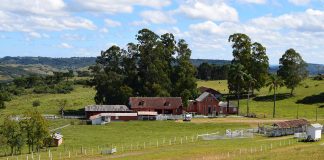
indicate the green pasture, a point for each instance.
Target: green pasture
{"x":311,"y":91}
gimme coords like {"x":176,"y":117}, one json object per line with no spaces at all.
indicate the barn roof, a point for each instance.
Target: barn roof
{"x":317,"y":125}
{"x":107,"y":108}
{"x":204,"y":95}
{"x":155,"y":102}
{"x":292,"y":123}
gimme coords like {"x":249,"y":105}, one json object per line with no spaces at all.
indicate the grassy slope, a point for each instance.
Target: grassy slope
{"x":286,"y":108}
{"x":77,"y":99}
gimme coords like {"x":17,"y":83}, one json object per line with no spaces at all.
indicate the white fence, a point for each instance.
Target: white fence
{"x":162,"y":117}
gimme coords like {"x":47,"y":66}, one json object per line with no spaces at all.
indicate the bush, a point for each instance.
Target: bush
{"x":63,"y":87}
{"x":36,"y":103}
{"x":307,"y":86}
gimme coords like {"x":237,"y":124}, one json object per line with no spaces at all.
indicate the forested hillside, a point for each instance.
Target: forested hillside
{"x":11,"y":67}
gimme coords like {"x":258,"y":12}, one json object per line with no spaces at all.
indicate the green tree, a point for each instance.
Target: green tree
{"x":184,"y":81}
{"x":236,"y":77}
{"x":62,"y":104}
{"x":36,"y":103}
{"x":252,"y":56}
{"x":4,"y":96}
{"x":292,"y":69}
{"x":251,"y":81}
{"x":259,"y":66}
{"x":36,"y":129}
{"x":274,"y":82}
{"x":12,"y":131}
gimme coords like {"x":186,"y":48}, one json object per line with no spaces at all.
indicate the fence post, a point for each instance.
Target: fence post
{"x":69,"y":154}
{"x":144,"y":145}
{"x":157,"y":144}
{"x":181,"y":140}
{"x":39,"y":156}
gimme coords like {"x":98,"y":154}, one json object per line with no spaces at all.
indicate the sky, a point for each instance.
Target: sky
{"x":74,"y":28}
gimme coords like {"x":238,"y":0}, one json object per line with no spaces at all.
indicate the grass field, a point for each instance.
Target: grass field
{"x":137,"y":134}
{"x":286,"y":106}
{"x":77,"y":99}
{"x":133,"y":133}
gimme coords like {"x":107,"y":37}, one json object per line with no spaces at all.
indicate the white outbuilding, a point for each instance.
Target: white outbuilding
{"x":314,"y":132}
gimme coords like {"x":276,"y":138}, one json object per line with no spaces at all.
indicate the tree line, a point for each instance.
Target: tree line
{"x":30,"y":129}
{"x":59,"y":82}
{"x":249,"y":69}
{"x":157,"y":65}
{"x":207,"y":71}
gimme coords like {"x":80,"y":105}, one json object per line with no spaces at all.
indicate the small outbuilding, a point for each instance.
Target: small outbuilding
{"x":99,"y":119}
{"x":314,"y":132}
{"x":146,"y":115}
{"x":57,"y":139}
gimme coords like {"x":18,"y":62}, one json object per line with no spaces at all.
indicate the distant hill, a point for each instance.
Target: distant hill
{"x":313,"y":69}
{"x":59,"y":63}
{"x":11,"y":67}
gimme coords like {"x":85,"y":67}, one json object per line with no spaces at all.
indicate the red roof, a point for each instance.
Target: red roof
{"x":292,"y":124}
{"x":155,"y":102}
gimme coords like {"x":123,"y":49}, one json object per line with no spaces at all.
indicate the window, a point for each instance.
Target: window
{"x":234,"y":109}
{"x":141,"y":103}
{"x":167,"y":104}
{"x":116,"y":117}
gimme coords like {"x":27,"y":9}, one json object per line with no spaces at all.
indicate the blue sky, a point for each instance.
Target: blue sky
{"x":67,"y":28}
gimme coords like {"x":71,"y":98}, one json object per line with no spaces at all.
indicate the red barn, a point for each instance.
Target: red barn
{"x":205,"y":104}
{"x":161,"y":105}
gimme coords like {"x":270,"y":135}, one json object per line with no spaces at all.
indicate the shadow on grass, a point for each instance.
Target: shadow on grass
{"x":74,"y":112}
{"x":280,"y":96}
{"x":313,"y":99}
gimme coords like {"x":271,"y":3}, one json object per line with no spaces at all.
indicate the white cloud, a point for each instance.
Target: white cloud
{"x":104,"y":30}
{"x":120,"y":6}
{"x":310,"y":20}
{"x":253,"y":1}
{"x":299,"y":2}
{"x":29,"y":16}
{"x":216,"y":11}
{"x":38,"y":35}
{"x":35,"y":7}
{"x":157,"y":17}
{"x":112,"y":23}
{"x":209,"y":37}
{"x":65,"y":45}
{"x":73,"y":37}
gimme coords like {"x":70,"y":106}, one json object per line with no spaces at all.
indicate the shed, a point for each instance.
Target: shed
{"x":99,"y":119}
{"x":146,"y":115}
{"x":314,"y":132}
{"x":57,"y":139}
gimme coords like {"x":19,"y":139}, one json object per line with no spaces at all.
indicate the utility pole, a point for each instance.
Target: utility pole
{"x":316,"y":114}
{"x":297,"y":111}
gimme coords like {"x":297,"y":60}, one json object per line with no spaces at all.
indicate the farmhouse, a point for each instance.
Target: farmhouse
{"x":92,"y":110}
{"x":227,"y":108}
{"x":205,"y":104}
{"x":161,"y":105}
